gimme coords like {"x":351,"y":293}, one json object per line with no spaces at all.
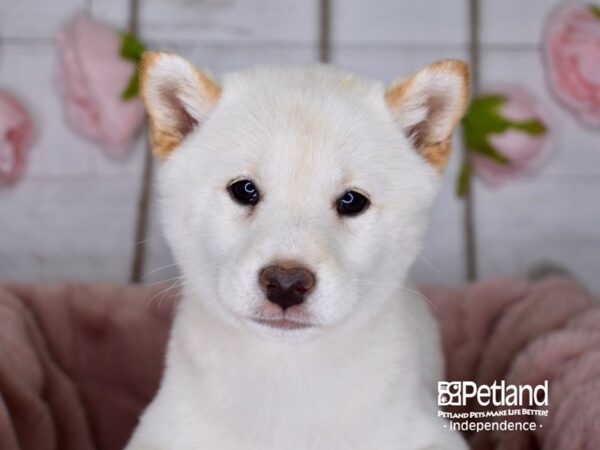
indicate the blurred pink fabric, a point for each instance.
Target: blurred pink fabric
{"x":80,"y":361}
{"x":16,"y":135}
{"x":525,"y":152}
{"x":525,"y":333}
{"x":572,"y":56}
{"x":93,"y":75}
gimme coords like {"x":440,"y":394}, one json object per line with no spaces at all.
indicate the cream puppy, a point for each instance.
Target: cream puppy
{"x":295,"y":200}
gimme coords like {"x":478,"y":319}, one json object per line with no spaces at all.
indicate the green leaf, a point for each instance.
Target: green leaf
{"x":132,"y":88}
{"x":483,"y":118}
{"x":595,"y":9}
{"x":463,"y":182}
{"x":131,"y":47}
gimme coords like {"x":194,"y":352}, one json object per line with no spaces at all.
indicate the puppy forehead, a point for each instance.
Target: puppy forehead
{"x":293,"y":82}
{"x":306,"y":119}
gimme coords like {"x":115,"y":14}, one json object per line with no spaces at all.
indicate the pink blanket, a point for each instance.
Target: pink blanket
{"x":79,"y":362}
{"x":526,"y":333}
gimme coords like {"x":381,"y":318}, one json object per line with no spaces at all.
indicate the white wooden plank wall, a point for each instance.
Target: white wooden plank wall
{"x":553,"y":216}
{"x":72,"y":215}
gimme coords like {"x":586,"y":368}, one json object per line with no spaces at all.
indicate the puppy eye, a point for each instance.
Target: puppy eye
{"x":244,"y":192}
{"x":352,"y":203}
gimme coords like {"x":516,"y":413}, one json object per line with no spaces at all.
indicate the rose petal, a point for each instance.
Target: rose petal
{"x":572,"y":57}
{"x":525,"y":152}
{"x":93,"y":76}
{"x":16,"y":135}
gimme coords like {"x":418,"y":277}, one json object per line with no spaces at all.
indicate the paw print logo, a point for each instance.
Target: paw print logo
{"x":449,"y":393}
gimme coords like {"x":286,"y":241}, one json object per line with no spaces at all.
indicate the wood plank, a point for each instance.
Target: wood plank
{"x":536,"y":221}
{"x":514,"y":22}
{"x":72,"y":229}
{"x":34,"y":19}
{"x":219,"y":20}
{"x":439,"y":23}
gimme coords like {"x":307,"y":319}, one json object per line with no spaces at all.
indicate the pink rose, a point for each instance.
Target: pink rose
{"x":16,"y":134}
{"x":93,"y":76}
{"x":572,"y":55}
{"x":524,"y":151}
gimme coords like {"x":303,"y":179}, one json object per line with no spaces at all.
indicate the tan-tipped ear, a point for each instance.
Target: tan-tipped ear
{"x":178,"y":97}
{"x":428,"y":106}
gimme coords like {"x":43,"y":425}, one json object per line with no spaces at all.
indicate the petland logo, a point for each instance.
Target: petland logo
{"x":458,"y":393}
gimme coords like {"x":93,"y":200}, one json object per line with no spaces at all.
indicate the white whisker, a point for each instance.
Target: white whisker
{"x":435,"y":269}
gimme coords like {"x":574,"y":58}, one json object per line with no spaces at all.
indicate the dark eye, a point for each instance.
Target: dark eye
{"x":244,"y":192}
{"x":352,"y":203}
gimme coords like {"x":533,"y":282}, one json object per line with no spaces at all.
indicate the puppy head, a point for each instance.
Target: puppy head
{"x":295,"y":199}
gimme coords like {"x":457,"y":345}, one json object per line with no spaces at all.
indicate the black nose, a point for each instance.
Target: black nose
{"x":286,"y":287}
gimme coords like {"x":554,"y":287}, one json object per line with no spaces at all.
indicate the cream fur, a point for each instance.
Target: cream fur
{"x":364,"y":375}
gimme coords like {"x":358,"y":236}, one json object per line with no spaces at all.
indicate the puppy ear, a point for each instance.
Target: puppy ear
{"x":178,"y":97}
{"x":429,"y":104}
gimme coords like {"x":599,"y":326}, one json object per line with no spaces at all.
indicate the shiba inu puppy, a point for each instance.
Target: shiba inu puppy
{"x":295,"y":200}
